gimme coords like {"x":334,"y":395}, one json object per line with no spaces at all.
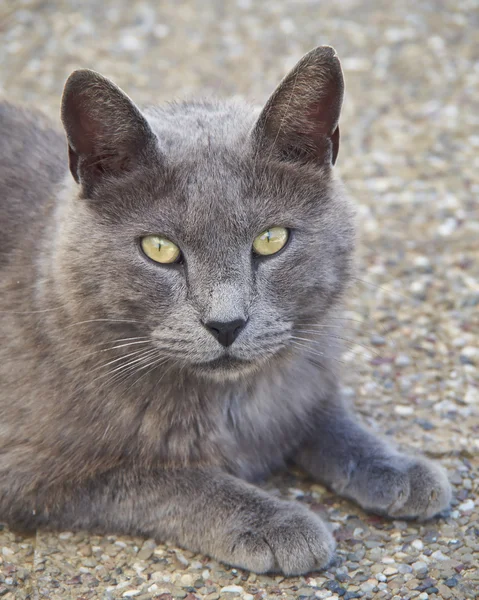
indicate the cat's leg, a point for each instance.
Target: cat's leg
{"x":203,"y":510}
{"x":361,"y":466}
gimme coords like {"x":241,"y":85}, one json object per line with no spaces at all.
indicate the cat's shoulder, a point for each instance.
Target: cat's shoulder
{"x":33,"y":158}
{"x":24,"y":129}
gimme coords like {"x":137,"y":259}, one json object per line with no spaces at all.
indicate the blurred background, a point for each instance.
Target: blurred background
{"x":411,"y":112}
{"x":410,"y":159}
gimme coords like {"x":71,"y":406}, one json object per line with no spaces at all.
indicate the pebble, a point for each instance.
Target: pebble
{"x":419,"y":566}
{"x":402,"y":360}
{"x":438,"y":555}
{"x":403,"y":411}
{"x":390,"y":571}
{"x":145,"y":553}
{"x":182,"y":559}
{"x":404,"y":569}
{"x":378,"y":340}
{"x":418,"y":544}
{"x":232,"y":589}
{"x":369,"y":585}
{"x":305,"y":592}
{"x":467,"y":505}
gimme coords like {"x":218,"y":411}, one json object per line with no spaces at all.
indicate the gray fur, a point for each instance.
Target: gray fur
{"x":119,"y":411}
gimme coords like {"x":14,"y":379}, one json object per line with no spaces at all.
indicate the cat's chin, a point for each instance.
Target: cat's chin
{"x":226,"y":368}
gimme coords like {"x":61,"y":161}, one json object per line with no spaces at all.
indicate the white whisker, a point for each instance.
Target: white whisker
{"x":104,"y":321}
{"x":119,"y":373}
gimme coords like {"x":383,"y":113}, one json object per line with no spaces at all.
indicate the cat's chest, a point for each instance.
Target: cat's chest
{"x":249,"y":432}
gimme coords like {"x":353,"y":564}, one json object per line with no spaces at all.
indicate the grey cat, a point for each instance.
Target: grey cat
{"x":168,"y":323}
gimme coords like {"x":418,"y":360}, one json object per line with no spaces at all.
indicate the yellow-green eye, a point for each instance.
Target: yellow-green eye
{"x":270,"y":241}
{"x":160,"y":249}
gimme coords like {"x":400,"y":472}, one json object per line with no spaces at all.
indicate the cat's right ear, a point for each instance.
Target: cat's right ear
{"x":107,"y":134}
{"x":300,"y":120}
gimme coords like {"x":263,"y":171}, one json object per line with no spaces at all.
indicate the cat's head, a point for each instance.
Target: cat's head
{"x":217,"y":232}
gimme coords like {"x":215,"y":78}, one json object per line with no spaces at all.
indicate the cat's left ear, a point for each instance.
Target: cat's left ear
{"x":107,"y":134}
{"x":300,"y":120}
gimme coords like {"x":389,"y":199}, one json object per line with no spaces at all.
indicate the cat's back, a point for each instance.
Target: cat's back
{"x":33,"y":158}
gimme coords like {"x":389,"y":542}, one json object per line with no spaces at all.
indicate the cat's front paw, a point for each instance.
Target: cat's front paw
{"x":405,"y":487}
{"x":428,"y":491}
{"x":293,"y":541}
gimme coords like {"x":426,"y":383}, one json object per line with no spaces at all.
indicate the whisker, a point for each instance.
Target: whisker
{"x":115,"y":360}
{"x":28,"y":312}
{"x":384,"y":289}
{"x":316,"y":353}
{"x":330,"y":318}
{"x":306,"y":345}
{"x":118,"y":372}
{"x":141,"y":337}
{"x":345,"y":339}
{"x":322,"y":325}
{"x":132,"y":370}
{"x":348,"y":319}
{"x":80,"y":358}
{"x":104,"y":321}
{"x":147,"y":341}
{"x":156,"y":363}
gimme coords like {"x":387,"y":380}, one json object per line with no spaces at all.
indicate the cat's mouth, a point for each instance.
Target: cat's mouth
{"x":225,"y":362}
{"x":225,"y":367}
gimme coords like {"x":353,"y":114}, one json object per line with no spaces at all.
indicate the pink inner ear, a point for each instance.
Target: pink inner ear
{"x":88,"y":133}
{"x":322,"y":116}
{"x":321,"y":119}
{"x":83,"y":124}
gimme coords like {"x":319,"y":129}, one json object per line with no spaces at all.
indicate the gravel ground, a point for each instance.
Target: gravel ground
{"x":410,"y":141}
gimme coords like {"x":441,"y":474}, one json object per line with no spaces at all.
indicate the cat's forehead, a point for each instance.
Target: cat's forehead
{"x":209,"y":157}
{"x":215,"y":179}
{"x":182,"y":128}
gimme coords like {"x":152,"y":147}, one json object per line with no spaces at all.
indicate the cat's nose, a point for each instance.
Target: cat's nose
{"x":225,"y":333}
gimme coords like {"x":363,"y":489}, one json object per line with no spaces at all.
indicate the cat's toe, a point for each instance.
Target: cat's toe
{"x":294,"y":542}
{"x":429,"y":491}
{"x":252,"y":552}
{"x":401,"y":486}
{"x":300,"y":541}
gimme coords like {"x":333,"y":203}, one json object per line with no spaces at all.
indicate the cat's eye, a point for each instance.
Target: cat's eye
{"x":270,"y":241}
{"x":160,"y":249}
